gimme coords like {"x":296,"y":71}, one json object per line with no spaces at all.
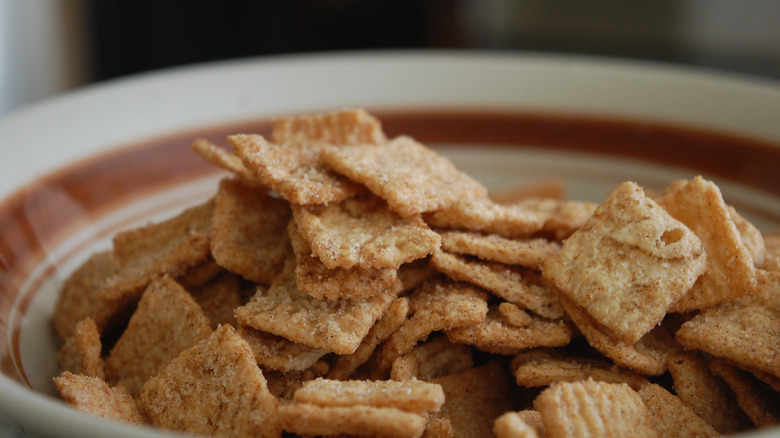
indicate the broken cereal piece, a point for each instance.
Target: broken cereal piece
{"x":213,"y":388}
{"x":529,"y":253}
{"x":731,"y":272}
{"x":434,"y":358}
{"x":364,"y":232}
{"x":671,"y":417}
{"x":81,"y":353}
{"x":345,"y":365}
{"x":544,"y":366}
{"x":249,"y":236}
{"x":495,"y":335}
{"x":335,"y":326}
{"x":596,"y":266}
{"x":321,"y":282}
{"x":277,"y":353}
{"x":411,"y":177}
{"x":166,"y":322}
{"x":593,"y":409}
{"x":92,"y":395}
{"x":436,"y":305}
{"x":502,"y":280}
{"x":486,"y":216}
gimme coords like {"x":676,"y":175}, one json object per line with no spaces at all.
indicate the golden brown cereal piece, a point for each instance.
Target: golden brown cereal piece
{"x":284,"y":384}
{"x":409,"y":176}
{"x":226,"y":160}
{"x":543,"y":367}
{"x":596,"y":266}
{"x":757,"y":400}
{"x":296,"y":171}
{"x":81,"y":353}
{"x":170,"y":247}
{"x":671,"y":417}
{"x":486,"y":216}
{"x":166,"y":322}
{"x":390,"y":322}
{"x":706,"y":394}
{"x":335,"y":326}
{"x":214,"y":388}
{"x":646,"y":356}
{"x":317,"y":280}
{"x":250,"y":237}
{"x":364,"y":232}
{"x":475,"y":398}
{"x":524,"y":252}
{"x":514,"y":315}
{"x":435,"y":306}
{"x":561,"y":218}
{"x":434,"y":358}
{"x":524,"y":424}
{"x":306,"y":419}
{"x":745,"y":333}
{"x":699,"y":205}
{"x":502,"y":280}
{"x":92,"y":395}
{"x":80,"y":296}
{"x":495,"y":335}
{"x":277,"y":353}
{"x":219,"y":297}
{"x":589,"y":408}
{"x":347,"y":127}
{"x":408,"y":395}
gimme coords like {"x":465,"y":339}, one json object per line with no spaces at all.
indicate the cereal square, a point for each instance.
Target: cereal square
{"x":596,"y":266}
{"x":92,"y":395}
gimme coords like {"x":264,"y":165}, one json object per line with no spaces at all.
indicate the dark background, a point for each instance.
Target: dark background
{"x":132,"y":36}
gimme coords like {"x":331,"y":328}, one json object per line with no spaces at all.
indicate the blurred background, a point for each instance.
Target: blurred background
{"x":51,"y":46}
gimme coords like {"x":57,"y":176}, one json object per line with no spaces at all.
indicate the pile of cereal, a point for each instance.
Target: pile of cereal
{"x":343,"y":283}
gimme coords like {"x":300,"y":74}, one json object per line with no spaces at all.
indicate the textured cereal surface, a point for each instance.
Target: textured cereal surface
{"x":335,"y":326}
{"x":81,"y":353}
{"x":411,"y":177}
{"x":321,"y":282}
{"x":484,"y":215}
{"x":226,"y":160}
{"x":365,"y":232}
{"x":698,"y":203}
{"x":249,"y":237}
{"x":219,"y":297}
{"x":530,"y":253}
{"x":561,"y":218}
{"x":92,"y":395}
{"x":543,"y":366}
{"x":433,"y":358}
{"x":514,"y":425}
{"x":593,"y":409}
{"x":742,"y":332}
{"x":347,"y":127}
{"x":296,"y":172}
{"x":671,"y":417}
{"x":409,"y":395}
{"x":759,"y":402}
{"x":502,"y":280}
{"x":277,"y":353}
{"x":307,"y":419}
{"x":705,"y":393}
{"x":214,"y":388}
{"x":596,"y":266}
{"x":495,"y":335}
{"x":166,"y":322}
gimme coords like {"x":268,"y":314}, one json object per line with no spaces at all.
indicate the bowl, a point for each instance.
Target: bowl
{"x":81,"y":166}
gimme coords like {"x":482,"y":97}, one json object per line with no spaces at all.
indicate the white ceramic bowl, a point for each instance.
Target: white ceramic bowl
{"x":81,"y":166}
